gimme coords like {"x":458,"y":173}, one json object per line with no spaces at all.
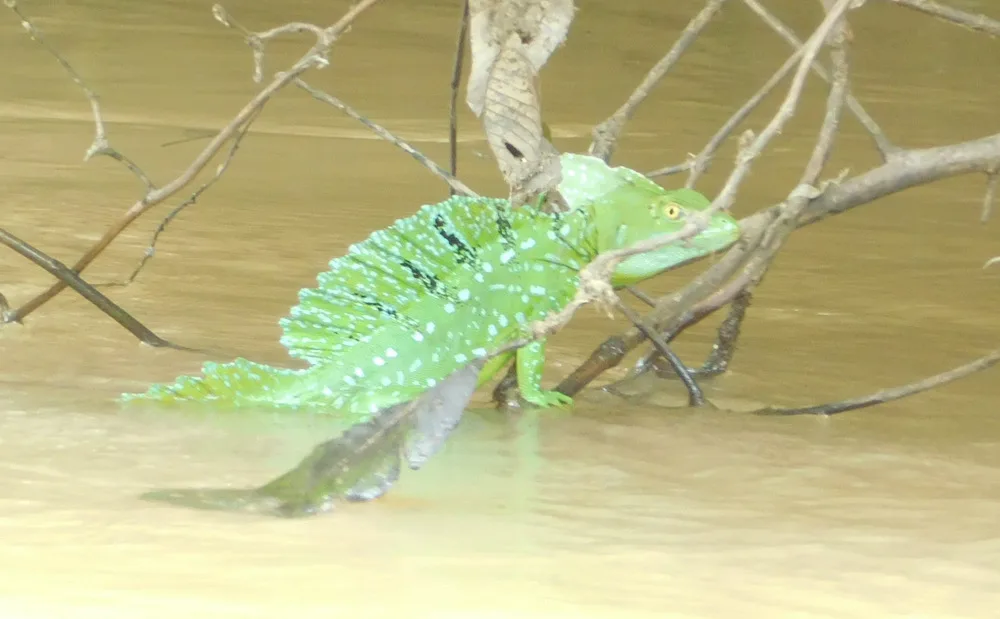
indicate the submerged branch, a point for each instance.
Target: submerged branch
{"x":696,"y":397}
{"x":723,"y":349}
{"x":88,"y":292}
{"x":894,"y":393}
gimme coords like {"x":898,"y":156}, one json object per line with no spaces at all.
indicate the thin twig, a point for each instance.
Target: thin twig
{"x":894,"y":393}
{"x":696,"y":397}
{"x":725,"y":342}
{"x":456,"y":80}
{"x":315,"y":56}
{"x":594,"y":289}
{"x":785,"y":112}
{"x":972,"y":21}
{"x":100,"y":145}
{"x":642,"y":296}
{"x":256,"y":40}
{"x":88,"y":292}
{"x":607,"y":133}
{"x":885,"y":147}
{"x":698,"y":164}
{"x":456,"y":185}
{"x":193,"y":198}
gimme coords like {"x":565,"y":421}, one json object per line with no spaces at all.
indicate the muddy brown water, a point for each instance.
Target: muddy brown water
{"x":622,"y":509}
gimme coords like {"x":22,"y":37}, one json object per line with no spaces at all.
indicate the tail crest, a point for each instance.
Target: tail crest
{"x":239,"y":384}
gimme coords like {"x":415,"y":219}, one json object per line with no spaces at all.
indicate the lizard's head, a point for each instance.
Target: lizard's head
{"x":628,"y":207}
{"x":630,"y":216}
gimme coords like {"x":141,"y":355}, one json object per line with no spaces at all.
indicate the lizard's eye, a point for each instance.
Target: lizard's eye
{"x":672,"y":211}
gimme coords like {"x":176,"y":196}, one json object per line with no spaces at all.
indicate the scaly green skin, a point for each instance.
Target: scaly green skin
{"x":422,"y":298}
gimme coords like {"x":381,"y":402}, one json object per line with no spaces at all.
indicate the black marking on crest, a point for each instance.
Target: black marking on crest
{"x":384,"y":309}
{"x":372,"y":267}
{"x":463,"y":253}
{"x":428,"y":280}
{"x":505,"y":228}
{"x":588,"y":251}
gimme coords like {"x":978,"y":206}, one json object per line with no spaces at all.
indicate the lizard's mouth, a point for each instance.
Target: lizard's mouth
{"x":721,"y":233}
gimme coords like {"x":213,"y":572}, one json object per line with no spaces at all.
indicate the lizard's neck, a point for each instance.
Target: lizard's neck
{"x":544,"y":236}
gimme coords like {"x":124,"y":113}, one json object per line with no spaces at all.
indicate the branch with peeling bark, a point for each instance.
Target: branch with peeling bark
{"x":912,"y":168}
{"x":743,"y":267}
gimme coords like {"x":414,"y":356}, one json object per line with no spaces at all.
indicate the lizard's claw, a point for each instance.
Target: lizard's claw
{"x":548,"y":399}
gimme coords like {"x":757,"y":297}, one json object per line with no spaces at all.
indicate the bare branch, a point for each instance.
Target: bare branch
{"x":699,"y":163}
{"x":456,"y":80}
{"x":594,"y":277}
{"x":894,"y":393}
{"x":668,"y":314}
{"x":256,"y":41}
{"x":219,"y":171}
{"x":990,"y":198}
{"x":607,"y":133}
{"x":312,"y":58}
{"x":456,"y":185}
{"x":810,"y":50}
{"x":100,"y":145}
{"x":88,"y":292}
{"x":696,"y":397}
{"x":910,"y":168}
{"x":972,"y":21}
{"x":907,"y":169}
{"x":722,"y":350}
{"x":885,"y":147}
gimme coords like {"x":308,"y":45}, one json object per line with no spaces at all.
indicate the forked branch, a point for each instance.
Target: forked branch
{"x":595,"y":278}
{"x":100,"y":145}
{"x":314,"y":57}
{"x":972,"y":21}
{"x":607,"y":133}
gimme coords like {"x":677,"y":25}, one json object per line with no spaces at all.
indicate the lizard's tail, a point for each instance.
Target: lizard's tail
{"x":240,"y":383}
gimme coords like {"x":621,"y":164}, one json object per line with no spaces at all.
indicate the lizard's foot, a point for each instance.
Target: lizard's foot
{"x":547,"y":399}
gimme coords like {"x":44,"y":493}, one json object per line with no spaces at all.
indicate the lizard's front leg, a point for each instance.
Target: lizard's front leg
{"x":530,"y":362}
